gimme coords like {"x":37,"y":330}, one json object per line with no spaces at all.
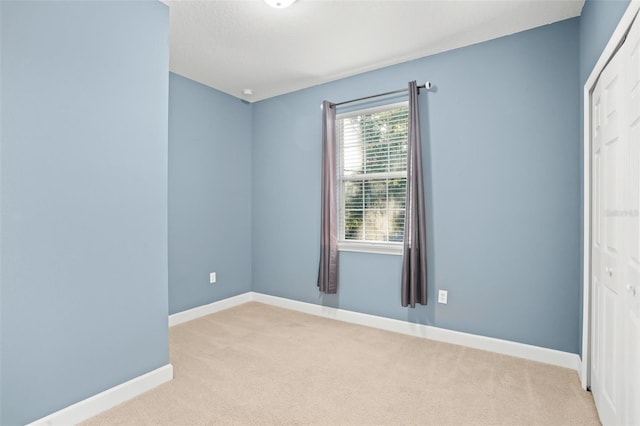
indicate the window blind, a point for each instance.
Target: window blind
{"x":372,"y":173}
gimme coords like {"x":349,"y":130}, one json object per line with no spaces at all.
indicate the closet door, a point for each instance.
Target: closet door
{"x":615,"y":250}
{"x":597,"y":210}
{"x":631,"y":315}
{"x":606,"y":377}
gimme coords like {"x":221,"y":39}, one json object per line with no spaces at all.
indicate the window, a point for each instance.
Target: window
{"x":372,"y":178}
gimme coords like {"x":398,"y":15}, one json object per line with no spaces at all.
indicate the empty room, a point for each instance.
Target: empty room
{"x":320,"y":212}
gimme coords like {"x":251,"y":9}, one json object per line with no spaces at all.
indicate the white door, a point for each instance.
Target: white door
{"x":606,"y":366}
{"x":631,"y":314}
{"x":597,"y":208}
{"x":615,"y":247}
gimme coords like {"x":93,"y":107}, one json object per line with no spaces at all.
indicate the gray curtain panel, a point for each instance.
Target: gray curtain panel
{"x":328,"y":269}
{"x":414,"y":262}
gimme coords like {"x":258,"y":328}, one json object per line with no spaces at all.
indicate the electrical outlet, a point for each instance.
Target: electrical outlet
{"x":442,"y":296}
{"x":212,"y":277}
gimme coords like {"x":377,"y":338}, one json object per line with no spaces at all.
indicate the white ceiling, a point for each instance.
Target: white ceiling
{"x":232,"y":45}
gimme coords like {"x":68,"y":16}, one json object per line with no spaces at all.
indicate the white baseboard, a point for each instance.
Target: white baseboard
{"x":506,"y":347}
{"x":201,"y":311}
{"x":519,"y":350}
{"x":103,"y":401}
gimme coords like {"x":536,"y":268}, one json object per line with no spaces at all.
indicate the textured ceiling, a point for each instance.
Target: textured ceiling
{"x":234,"y":45}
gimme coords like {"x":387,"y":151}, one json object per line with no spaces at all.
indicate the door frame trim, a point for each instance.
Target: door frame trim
{"x":607,"y":53}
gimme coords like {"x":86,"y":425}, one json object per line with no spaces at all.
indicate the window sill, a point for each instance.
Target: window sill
{"x":376,"y":248}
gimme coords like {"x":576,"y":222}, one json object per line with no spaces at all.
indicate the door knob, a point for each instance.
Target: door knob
{"x":609,"y":271}
{"x":631,"y":289}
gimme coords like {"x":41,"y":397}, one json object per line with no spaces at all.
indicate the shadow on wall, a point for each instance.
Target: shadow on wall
{"x":329,"y":300}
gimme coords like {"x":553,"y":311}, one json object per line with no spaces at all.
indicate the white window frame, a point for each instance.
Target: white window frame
{"x":364,"y":246}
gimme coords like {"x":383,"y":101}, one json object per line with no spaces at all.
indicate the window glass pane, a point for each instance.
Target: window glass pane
{"x":353,"y":195}
{"x":376,"y":157}
{"x":375,"y":225}
{"x":397,"y":156}
{"x":352,"y":147}
{"x":353,"y":225}
{"x":375,"y":194}
{"x":384,"y":136}
{"x":396,"y":225}
{"x":397,"y":193}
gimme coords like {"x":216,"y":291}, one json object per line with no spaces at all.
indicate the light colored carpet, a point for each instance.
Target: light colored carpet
{"x":260,"y":365}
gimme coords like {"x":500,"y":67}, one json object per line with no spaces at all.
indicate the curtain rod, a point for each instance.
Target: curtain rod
{"x":426,"y":86}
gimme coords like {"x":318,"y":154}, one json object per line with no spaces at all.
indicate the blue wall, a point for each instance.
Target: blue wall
{"x":84,"y":200}
{"x":598,"y":21}
{"x":501,"y":138}
{"x":1,"y":328}
{"x":209,"y":194}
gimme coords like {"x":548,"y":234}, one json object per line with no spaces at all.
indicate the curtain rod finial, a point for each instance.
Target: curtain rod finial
{"x":427,"y":85}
